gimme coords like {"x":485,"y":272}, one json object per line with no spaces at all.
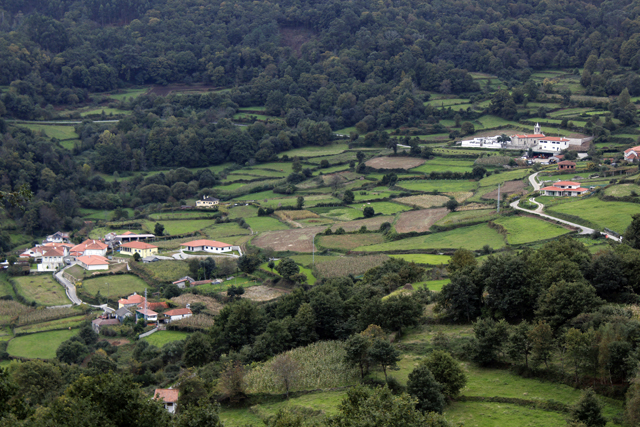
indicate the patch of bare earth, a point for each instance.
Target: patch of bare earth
{"x":419,"y":221}
{"x":212,"y":305}
{"x":425,"y":201}
{"x":460,"y":196}
{"x":371,"y":223}
{"x":297,"y":240}
{"x":261,"y":293}
{"x":394,"y":162}
{"x":347,"y":242}
{"x":506,"y":189}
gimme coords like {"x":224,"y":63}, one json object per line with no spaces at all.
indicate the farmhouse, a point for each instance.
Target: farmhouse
{"x":182,"y":282}
{"x":122,"y":313}
{"x":169,"y":398}
{"x":632,"y":154}
{"x":100,"y":323}
{"x":89,"y":247}
{"x":566,"y":165}
{"x":207,"y":246}
{"x":93,"y":262}
{"x":132,"y":301}
{"x":207,"y":202}
{"x":144,"y":249}
{"x":564,"y":188}
{"x":48,"y":257}
{"x":177,"y":314}
{"x":156,"y":306}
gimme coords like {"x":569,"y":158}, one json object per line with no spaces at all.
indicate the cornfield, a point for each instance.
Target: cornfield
{"x":10,"y":310}
{"x":349,"y":265}
{"x":321,"y":364}
{"x":45,"y":315}
{"x":195,"y":322}
{"x":296,"y":215}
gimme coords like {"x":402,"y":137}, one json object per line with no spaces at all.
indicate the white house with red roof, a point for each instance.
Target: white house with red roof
{"x":564,"y":188}
{"x":632,"y":154}
{"x":168,"y":397}
{"x":552,"y":144}
{"x":204,"y":245}
{"x":147,"y":314}
{"x":93,"y":262}
{"x":57,"y":237}
{"x":177,"y":314}
{"x":48,"y":257}
{"x":89,"y":247}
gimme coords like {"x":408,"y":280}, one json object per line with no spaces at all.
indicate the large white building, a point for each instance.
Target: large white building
{"x":204,"y":245}
{"x":564,"y":188}
{"x":537,"y":141}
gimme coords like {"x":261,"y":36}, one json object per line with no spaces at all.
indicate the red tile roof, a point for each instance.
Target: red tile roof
{"x":89,"y":244}
{"x":154,"y":305}
{"x":147,"y":312}
{"x":552,"y":188}
{"x":535,"y":135}
{"x":133,"y":299}
{"x":566,"y":163}
{"x":168,"y":395}
{"x":636,"y":149}
{"x":52,"y":251}
{"x":126,"y":233}
{"x":203,"y":242}
{"x":566,"y":183}
{"x":137,"y":245}
{"x":93,"y":260}
{"x":178,"y":312}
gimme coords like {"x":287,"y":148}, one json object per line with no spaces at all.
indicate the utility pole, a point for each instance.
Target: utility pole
{"x":145,"y":305}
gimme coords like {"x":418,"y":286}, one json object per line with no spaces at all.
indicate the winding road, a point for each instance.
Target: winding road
{"x":69,"y":287}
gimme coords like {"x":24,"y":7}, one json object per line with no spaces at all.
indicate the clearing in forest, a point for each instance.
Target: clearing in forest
{"x":394,"y":162}
{"x":418,"y":221}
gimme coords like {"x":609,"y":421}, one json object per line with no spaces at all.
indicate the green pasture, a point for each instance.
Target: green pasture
{"x":338,"y":213}
{"x":107,"y":111}
{"x":264,"y":173}
{"x":472,"y":238}
{"x":622,"y":190}
{"x":165,"y":270}
{"x":242,"y":211}
{"x":222,"y":231}
{"x":59,"y":132}
{"x":180,"y":226}
{"x":446,"y":102}
{"x":161,"y":338}
{"x":428,"y":259}
{"x":490,"y":414}
{"x":261,"y":224}
{"x":345,"y":157}
{"x":490,"y":122}
{"x":524,"y":229}
{"x":42,"y":289}
{"x":613,"y":215}
{"x":239,"y":177}
{"x":303,"y":270}
{"x":445,"y":165}
{"x":222,"y":287}
{"x":255,"y":116}
{"x":253,"y":108}
{"x":315,"y":151}
{"x":181,"y":215}
{"x":42,"y":345}
{"x":376,"y":193}
{"x":385,"y":208}
{"x":333,"y":169}
{"x":5,"y":287}
{"x":499,"y":178}
{"x":440,"y":185}
{"x":114,"y":286}
{"x":127,"y":93}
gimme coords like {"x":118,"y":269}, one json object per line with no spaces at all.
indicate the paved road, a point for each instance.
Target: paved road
{"x":70,"y":287}
{"x":538,"y":211}
{"x":534,"y":183}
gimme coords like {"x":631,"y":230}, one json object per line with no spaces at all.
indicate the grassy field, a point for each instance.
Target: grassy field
{"x":114,"y":286}
{"x":385,"y":208}
{"x":487,"y":414}
{"x":472,"y":238}
{"x":179,"y":215}
{"x":180,"y":227}
{"x":339,"y":213}
{"x":347,"y":242}
{"x":313,"y":151}
{"x":468,"y":216}
{"x":42,"y":345}
{"x":523,"y":229}
{"x":242,"y":211}
{"x":160,"y":338}
{"x":261,"y":224}
{"x":5,"y":287}
{"x":428,"y":259}
{"x":165,"y":271}
{"x":441,"y":164}
{"x":53,"y":131}
{"x":622,"y":190}
{"x":42,"y":289}
{"x":613,"y":215}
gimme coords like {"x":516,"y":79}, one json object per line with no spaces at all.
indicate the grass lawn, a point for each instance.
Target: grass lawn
{"x":523,"y":229}
{"x":443,"y":186}
{"x":42,"y":289}
{"x":428,"y":259}
{"x":261,"y":224}
{"x":180,"y":215}
{"x":242,"y":212}
{"x":54,"y":131}
{"x":622,"y":190}
{"x":613,"y":215}
{"x":42,"y":345}
{"x":489,"y":414}
{"x":472,"y":238}
{"x":501,"y":177}
{"x":166,"y":271}
{"x":160,"y":338}
{"x":385,"y":208}
{"x":222,"y":231}
{"x":468,"y":216}
{"x":115,"y":286}
{"x":180,"y":227}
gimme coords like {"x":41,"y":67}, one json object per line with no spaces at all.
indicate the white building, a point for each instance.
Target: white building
{"x":177,"y":314}
{"x":93,"y":262}
{"x":169,"y":398}
{"x":207,"y":202}
{"x":204,"y":245}
{"x":89,"y":247}
{"x":632,"y":154}
{"x":484,"y":142}
{"x":57,"y":237}
{"x":564,"y":188}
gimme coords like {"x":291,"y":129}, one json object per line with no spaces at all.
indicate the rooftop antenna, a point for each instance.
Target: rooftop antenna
{"x":498,"y":204}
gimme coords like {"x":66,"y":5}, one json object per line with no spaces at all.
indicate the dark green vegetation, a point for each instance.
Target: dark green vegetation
{"x":326,"y":130}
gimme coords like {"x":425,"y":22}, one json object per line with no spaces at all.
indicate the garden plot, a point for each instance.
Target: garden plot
{"x":262,"y":293}
{"x":346,"y":242}
{"x":418,"y":221}
{"x":42,"y":289}
{"x":425,"y":201}
{"x":296,"y":240}
{"x":394,"y":162}
{"x":506,"y":189}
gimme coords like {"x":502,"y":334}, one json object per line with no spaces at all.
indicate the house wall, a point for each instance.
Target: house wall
{"x":178,"y":317}
{"x":143,"y":252}
{"x":95,"y":267}
{"x":101,"y":252}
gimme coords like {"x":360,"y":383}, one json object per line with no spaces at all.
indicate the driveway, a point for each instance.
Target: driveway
{"x":69,"y":287}
{"x":534,"y":183}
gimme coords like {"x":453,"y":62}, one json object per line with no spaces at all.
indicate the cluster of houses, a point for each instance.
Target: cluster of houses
{"x":56,"y":250}
{"x":137,"y":307}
